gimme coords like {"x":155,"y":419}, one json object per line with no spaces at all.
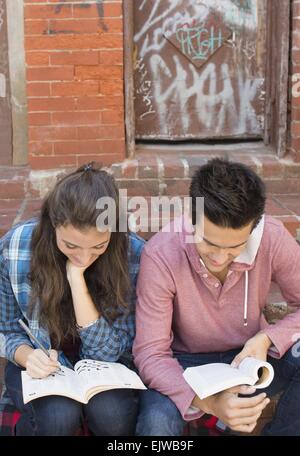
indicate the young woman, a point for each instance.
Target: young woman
{"x":74,"y":285}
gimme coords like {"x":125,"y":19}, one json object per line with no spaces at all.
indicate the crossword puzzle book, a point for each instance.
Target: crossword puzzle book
{"x":88,"y":378}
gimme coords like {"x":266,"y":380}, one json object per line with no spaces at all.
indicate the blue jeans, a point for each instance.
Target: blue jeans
{"x":111,"y":413}
{"x":158,"y":415}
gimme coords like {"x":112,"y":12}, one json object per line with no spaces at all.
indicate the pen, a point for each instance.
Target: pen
{"x":25,"y":327}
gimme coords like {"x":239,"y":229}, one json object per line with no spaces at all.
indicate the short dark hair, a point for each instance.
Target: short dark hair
{"x":234,"y":195}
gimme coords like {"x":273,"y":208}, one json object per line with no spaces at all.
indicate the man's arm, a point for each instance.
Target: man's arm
{"x":286,"y":273}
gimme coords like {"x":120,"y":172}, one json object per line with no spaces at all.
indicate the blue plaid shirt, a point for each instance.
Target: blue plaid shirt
{"x":101,"y":340}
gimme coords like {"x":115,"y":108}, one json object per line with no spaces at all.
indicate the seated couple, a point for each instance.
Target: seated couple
{"x":195,"y":303}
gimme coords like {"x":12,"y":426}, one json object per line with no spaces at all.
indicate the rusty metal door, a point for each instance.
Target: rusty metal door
{"x":5,"y":105}
{"x":199,"y":69}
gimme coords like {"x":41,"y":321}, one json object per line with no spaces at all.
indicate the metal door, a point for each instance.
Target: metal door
{"x":199,"y":69}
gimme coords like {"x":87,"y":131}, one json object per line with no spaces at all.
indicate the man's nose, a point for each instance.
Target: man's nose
{"x":221,"y":256}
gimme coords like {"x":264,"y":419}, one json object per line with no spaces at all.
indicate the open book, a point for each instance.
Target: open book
{"x":213,"y":378}
{"x":88,"y":378}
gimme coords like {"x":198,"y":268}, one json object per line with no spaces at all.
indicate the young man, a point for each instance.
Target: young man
{"x":203,"y":302}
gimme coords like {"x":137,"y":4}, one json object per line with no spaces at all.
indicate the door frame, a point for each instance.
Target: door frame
{"x":277,"y":75}
{"x":17,"y":72}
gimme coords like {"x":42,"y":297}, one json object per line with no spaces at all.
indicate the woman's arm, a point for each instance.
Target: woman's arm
{"x":84,"y":308}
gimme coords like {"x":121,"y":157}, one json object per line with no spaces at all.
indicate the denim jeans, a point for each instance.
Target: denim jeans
{"x":111,"y":413}
{"x":158,"y":415}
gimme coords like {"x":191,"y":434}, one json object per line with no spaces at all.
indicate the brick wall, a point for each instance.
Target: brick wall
{"x":74,"y":59}
{"x":295,"y":72}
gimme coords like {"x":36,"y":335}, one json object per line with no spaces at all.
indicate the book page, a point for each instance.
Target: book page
{"x":99,"y":376}
{"x":61,"y":383}
{"x":262,"y":372}
{"x":213,"y":378}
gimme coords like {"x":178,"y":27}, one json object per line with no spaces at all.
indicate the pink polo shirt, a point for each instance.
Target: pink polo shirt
{"x":182,"y":307}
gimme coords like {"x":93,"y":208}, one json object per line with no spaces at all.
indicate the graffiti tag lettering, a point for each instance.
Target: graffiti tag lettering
{"x":197,"y":42}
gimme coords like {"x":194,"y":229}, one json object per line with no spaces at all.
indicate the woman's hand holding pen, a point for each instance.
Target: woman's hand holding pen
{"x":39,"y":365}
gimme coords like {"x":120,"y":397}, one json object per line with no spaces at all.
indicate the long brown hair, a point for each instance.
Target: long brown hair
{"x":73,"y":201}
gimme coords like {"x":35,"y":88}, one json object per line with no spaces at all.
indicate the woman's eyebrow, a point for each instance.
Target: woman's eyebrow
{"x":74,"y":245}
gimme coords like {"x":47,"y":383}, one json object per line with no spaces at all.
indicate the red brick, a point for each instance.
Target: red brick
{"x":52,"y":162}
{"x":107,"y":132}
{"x":271,"y":168}
{"x":40,"y":148}
{"x":88,"y":103}
{"x":99,"y":72}
{"x":177,"y":187}
{"x":296,"y":24}
{"x":291,"y":224}
{"x":6,"y":222}
{"x":296,"y":9}
{"x":56,"y":42}
{"x":173,"y":167}
{"x":76,"y":118}
{"x":71,"y":26}
{"x":295,"y":56}
{"x":148,"y":169}
{"x":74,"y":58}
{"x":11,"y":190}
{"x":38,"y":89}
{"x":292,"y":169}
{"x":110,"y":10}
{"x":295,"y":110}
{"x":51,"y":104}
{"x":295,"y":129}
{"x":113,"y":25}
{"x":291,"y":202}
{"x":112,"y":117}
{"x":149,"y":187}
{"x":296,"y":40}
{"x":111,"y":57}
{"x":281,"y":186}
{"x":273,"y":207}
{"x":112,"y":87}
{"x":39,"y":118}
{"x":296,"y":101}
{"x":47,"y":12}
{"x":90,"y":147}
{"x":129,"y":169}
{"x":104,"y":160}
{"x":36,"y":27}
{"x":75,"y":88}
{"x":8,"y":206}
{"x":37,"y":58}
{"x":50,"y":74}
{"x":52,"y":133}
{"x":68,"y":147}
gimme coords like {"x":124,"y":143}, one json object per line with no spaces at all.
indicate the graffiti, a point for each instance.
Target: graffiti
{"x":100,"y":9}
{"x":197,"y":42}
{"x":2,"y":86}
{"x":217,"y":98}
{"x":237,"y":114}
{"x":296,"y":86}
{"x":145,"y":88}
{"x":245,"y":5}
{"x":177,"y":14}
